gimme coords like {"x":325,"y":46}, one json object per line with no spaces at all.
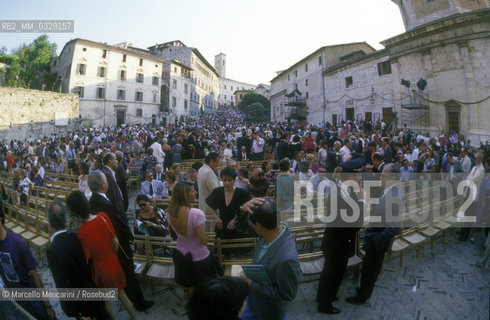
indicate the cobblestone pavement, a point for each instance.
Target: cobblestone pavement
{"x":443,"y":284}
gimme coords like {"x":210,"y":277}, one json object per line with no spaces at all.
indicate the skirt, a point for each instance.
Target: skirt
{"x":189,"y":273}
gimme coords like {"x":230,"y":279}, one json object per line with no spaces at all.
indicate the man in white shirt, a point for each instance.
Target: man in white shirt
{"x":345,"y":151}
{"x":207,"y":179}
{"x":476,"y":175}
{"x":465,"y":161}
{"x":257,"y":148}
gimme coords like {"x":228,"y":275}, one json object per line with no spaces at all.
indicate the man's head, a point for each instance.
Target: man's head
{"x":284,"y":165}
{"x":390,"y":175}
{"x":97,"y":182}
{"x":149,"y":176}
{"x":57,"y":214}
{"x":158,"y":169}
{"x":264,"y":217}
{"x":258,"y":174}
{"x":479,"y":157}
{"x":384,"y":142}
{"x":212,"y":160}
{"x":192,"y":174}
{"x":243,"y":149}
{"x":337,"y":145}
{"x":378,"y":159}
{"x":110,"y":161}
{"x":372,"y":146}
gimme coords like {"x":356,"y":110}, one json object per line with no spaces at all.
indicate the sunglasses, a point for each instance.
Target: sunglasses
{"x":142,"y":205}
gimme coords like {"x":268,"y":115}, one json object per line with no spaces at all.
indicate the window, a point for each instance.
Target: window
{"x":185,"y":104}
{"x":154,"y":97}
{"x":104,"y":53}
{"x":174,"y":101}
{"x":296,"y":73}
{"x":231,"y":88}
{"x":139,"y":77}
{"x":122,"y":74}
{"x":139,"y":112}
{"x":186,"y":88}
{"x":225,"y":86}
{"x":306,"y":82}
{"x":81,"y":69}
{"x":307,"y":96}
{"x":174,"y":84}
{"x":231,"y":98}
{"x":80,"y":91}
{"x":225,"y":96}
{"x":320,"y":60}
{"x":175,"y":69}
{"x":154,"y":80}
{"x":348,"y":82}
{"x":306,"y":67}
{"x":138,"y":96}
{"x":100,"y":93}
{"x":141,"y":62}
{"x":121,"y":94}
{"x":101,"y":72}
{"x":288,"y":77}
{"x":384,"y":68}
{"x":124,"y":58}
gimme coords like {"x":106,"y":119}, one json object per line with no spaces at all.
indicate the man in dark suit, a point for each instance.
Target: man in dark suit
{"x":243,"y":155}
{"x":333,"y":157}
{"x":113,"y":193}
{"x":388,"y":153}
{"x":244,"y":141}
{"x":368,"y":154}
{"x":69,"y":267}
{"x":379,"y":238}
{"x":339,"y":242}
{"x":282,"y":148}
{"x":99,"y":202}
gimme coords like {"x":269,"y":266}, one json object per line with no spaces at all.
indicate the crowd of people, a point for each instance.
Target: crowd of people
{"x":101,"y":251}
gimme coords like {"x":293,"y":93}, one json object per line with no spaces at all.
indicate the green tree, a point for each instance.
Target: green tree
{"x":29,"y":64}
{"x":256,"y":106}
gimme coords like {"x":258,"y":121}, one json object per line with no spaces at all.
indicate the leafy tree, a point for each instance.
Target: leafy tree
{"x":256,"y":106}
{"x":29,"y":64}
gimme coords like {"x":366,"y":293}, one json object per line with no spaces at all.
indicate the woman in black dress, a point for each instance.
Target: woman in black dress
{"x":226,"y":200}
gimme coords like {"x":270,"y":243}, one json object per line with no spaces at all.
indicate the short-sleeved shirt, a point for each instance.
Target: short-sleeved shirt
{"x":190,"y":242}
{"x":15,"y":262}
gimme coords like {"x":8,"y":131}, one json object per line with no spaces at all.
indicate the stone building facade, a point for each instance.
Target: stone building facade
{"x":416,"y":13}
{"x":205,"y":80}
{"x":435,"y":77}
{"x":298,"y":93}
{"x":431,"y":79}
{"x":116,"y":84}
{"x":31,"y":114}
{"x":176,"y":94}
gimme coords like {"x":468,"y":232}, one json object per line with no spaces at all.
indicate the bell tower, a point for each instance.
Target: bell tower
{"x":416,"y":13}
{"x":220,"y":64}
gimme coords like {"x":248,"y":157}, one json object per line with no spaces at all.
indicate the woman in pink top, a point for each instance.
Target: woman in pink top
{"x":192,"y":259}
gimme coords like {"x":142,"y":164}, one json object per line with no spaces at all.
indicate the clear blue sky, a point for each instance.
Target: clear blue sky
{"x":259,"y":37}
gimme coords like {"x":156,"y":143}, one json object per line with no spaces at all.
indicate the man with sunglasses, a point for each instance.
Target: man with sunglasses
{"x":152,"y":188}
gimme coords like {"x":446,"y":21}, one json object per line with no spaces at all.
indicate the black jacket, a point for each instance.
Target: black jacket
{"x":97,"y":203}
{"x":70,"y":270}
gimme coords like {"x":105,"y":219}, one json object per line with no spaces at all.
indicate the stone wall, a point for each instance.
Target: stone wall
{"x":27,"y":113}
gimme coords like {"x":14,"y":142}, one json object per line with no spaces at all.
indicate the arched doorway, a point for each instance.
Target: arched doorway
{"x":453,"y":116}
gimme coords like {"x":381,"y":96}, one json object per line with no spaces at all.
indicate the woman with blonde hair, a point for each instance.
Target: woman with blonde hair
{"x":192,"y":259}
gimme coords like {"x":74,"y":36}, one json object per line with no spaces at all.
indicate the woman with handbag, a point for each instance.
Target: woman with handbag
{"x":192,"y":259}
{"x":100,"y":246}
